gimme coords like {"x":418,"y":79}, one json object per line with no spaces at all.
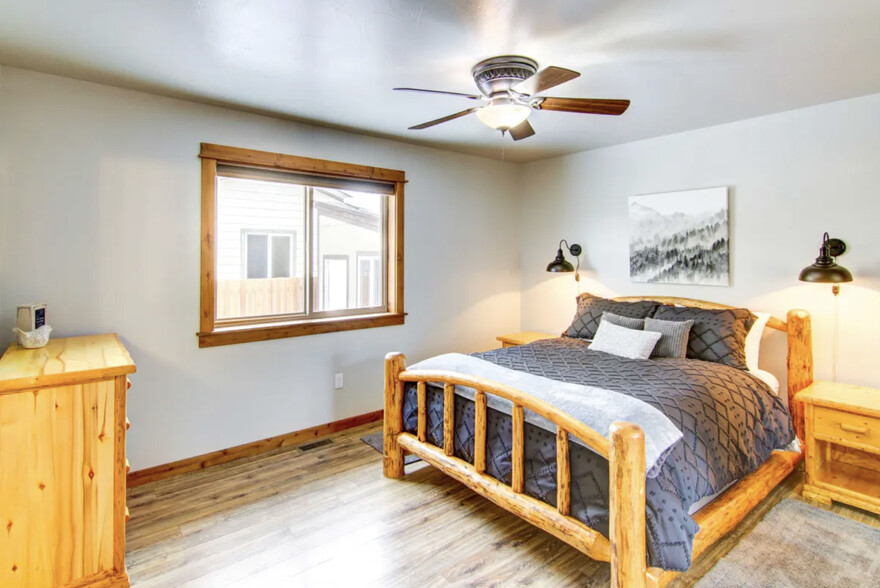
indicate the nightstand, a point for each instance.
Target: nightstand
{"x":514,"y":339}
{"x":842,"y":444}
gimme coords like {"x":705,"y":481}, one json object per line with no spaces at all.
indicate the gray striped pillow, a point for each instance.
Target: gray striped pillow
{"x":674,"y":337}
{"x":624,"y":321}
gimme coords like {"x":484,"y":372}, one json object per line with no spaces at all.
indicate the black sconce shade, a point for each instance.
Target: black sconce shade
{"x":825,"y":269}
{"x":560,"y":264}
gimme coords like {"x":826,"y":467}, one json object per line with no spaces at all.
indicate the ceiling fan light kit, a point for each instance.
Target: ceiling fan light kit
{"x":508,"y":84}
{"x":503,"y":117}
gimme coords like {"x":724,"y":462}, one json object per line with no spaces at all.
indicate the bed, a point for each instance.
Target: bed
{"x":600,"y":493}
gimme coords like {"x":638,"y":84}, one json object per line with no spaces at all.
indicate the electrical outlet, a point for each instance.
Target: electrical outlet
{"x":337,"y":383}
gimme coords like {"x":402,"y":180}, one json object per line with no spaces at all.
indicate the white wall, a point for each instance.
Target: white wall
{"x":99,"y":218}
{"x":792,"y":176}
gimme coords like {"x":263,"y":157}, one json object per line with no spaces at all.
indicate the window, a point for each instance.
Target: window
{"x":296,"y":246}
{"x":334,"y":282}
{"x":369,"y":277}
{"x":266,"y":255}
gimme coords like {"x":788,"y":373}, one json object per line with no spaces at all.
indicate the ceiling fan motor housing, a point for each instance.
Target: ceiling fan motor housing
{"x":499,"y":74}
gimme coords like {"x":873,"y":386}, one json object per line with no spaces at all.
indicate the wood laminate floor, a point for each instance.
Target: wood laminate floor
{"x":327,"y":517}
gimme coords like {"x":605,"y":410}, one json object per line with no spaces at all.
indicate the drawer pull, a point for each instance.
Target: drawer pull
{"x":127,"y":514}
{"x":854,"y":429}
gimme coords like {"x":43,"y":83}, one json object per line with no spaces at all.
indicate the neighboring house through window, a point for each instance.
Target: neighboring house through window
{"x":267,"y":255}
{"x":369,"y":280}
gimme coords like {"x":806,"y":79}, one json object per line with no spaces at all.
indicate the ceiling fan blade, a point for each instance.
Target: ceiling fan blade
{"x":471,"y":96}
{"x":584,"y":105}
{"x":522,"y":131}
{"x":445,"y":119}
{"x":545,"y":79}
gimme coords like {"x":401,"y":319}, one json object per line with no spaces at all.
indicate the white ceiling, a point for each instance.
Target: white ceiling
{"x":684,"y":63}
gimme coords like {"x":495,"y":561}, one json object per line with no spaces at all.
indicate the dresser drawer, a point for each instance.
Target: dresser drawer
{"x":849,"y":428}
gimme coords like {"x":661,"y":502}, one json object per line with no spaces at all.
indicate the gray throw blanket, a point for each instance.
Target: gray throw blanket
{"x":595,"y":407}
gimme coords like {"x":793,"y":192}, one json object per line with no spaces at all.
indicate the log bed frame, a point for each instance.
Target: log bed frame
{"x":625,"y":547}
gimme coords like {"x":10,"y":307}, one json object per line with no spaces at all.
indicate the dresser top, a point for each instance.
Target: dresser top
{"x":64,"y":361}
{"x":858,"y":399}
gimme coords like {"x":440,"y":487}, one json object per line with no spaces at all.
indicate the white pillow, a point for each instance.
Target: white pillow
{"x":753,"y":341}
{"x":624,"y":342}
{"x":768,"y":379}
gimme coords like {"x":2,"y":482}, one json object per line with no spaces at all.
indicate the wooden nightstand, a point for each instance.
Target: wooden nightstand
{"x":842,"y":444}
{"x":514,"y":339}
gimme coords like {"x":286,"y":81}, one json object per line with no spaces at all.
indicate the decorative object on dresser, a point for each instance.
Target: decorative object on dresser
{"x":30,"y":326}
{"x":826,"y":271}
{"x":842,"y":444}
{"x":522,"y":338}
{"x":560,"y":264}
{"x":680,"y":237}
{"x":625,"y":543}
{"x":62,"y":463}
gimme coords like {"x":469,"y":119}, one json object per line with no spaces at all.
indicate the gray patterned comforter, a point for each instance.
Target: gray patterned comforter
{"x":731,"y":422}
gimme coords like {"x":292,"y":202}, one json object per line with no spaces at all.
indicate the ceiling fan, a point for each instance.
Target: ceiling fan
{"x":509,"y":84}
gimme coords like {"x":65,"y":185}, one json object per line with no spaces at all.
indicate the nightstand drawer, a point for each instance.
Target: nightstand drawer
{"x":849,"y":428}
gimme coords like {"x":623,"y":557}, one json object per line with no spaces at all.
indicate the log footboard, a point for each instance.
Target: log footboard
{"x":626,"y":551}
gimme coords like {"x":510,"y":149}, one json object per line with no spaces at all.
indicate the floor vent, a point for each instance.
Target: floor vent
{"x":315,"y":445}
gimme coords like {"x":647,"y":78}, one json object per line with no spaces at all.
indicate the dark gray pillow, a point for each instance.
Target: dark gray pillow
{"x":624,"y":321}
{"x":717,"y":335}
{"x":590,"y":309}
{"x":674,"y":339}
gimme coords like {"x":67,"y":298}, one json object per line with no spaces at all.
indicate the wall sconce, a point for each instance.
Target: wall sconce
{"x":560,"y":264}
{"x":826,"y":271}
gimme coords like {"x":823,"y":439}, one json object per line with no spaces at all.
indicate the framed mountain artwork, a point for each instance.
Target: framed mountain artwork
{"x":680,"y":237}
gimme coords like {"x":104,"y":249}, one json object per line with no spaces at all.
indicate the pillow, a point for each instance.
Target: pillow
{"x":768,"y":379}
{"x":674,"y":337}
{"x":590,"y":309}
{"x":717,"y":335}
{"x":624,"y":342}
{"x":624,"y":321}
{"x":753,"y":341}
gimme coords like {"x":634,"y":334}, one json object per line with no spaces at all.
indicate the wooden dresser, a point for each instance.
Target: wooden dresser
{"x":62,"y":463}
{"x":842,"y":444}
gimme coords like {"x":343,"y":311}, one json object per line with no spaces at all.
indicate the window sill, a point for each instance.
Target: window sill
{"x":264,"y":332}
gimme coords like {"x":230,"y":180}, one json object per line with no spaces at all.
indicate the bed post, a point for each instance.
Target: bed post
{"x":800,"y":364}
{"x":627,"y":506}
{"x":392,"y":462}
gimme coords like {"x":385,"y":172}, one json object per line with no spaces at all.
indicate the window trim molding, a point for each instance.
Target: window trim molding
{"x":210,"y":334}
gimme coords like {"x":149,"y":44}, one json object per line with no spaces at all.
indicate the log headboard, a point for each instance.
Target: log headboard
{"x":800,"y":347}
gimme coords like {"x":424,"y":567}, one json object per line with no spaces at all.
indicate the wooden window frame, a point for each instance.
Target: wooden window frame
{"x":210,"y":334}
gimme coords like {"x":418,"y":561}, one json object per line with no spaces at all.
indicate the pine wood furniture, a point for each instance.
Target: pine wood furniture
{"x":514,"y":339}
{"x":842,"y":444}
{"x":625,"y":547}
{"x":62,"y":463}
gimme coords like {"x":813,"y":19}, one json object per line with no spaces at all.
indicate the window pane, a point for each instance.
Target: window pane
{"x":348,"y":225}
{"x":257,"y":254}
{"x":260,"y":248}
{"x":281,"y":256}
{"x":335,"y":284}
{"x":369,"y":280}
